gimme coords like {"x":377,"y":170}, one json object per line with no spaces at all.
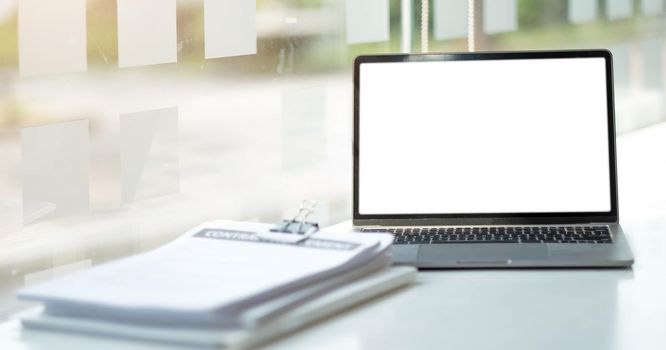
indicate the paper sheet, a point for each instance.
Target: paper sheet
{"x":52,"y":37}
{"x":582,"y":11}
{"x":222,"y":263}
{"x":149,"y":154}
{"x":450,"y":19}
{"x":343,"y":298}
{"x":146,"y":32}
{"x":500,"y":16}
{"x":55,"y":167}
{"x":367,"y":21}
{"x":618,"y":9}
{"x":230,"y":28}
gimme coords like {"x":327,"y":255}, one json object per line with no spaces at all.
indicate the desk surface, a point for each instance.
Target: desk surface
{"x":498,"y":309}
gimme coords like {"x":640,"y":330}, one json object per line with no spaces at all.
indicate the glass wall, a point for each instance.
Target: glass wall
{"x":632,"y":30}
{"x":125,"y":122}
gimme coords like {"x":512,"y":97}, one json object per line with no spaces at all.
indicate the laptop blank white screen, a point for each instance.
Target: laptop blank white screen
{"x":483,"y":136}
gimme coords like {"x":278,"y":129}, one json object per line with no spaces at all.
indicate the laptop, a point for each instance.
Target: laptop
{"x":498,"y":159}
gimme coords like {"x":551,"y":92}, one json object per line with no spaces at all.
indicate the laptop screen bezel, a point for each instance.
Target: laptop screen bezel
{"x":488,"y":218}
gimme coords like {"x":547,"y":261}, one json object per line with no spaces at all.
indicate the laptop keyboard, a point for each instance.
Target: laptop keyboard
{"x":499,"y":234}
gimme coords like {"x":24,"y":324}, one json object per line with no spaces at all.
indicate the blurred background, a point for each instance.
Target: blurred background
{"x":137,"y":155}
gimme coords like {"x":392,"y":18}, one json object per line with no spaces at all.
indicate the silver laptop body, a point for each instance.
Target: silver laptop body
{"x":499,"y":159}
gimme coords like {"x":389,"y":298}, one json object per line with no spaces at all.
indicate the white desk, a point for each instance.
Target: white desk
{"x":503,"y":309}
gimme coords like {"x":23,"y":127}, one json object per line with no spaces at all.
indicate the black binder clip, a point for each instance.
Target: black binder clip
{"x":296,"y":230}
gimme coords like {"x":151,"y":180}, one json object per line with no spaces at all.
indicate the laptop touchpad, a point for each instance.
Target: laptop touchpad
{"x":482,"y":252}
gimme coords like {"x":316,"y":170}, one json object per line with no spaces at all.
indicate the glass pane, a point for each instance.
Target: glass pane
{"x":500,"y":16}
{"x":367,"y":21}
{"x":652,"y":7}
{"x":52,"y":36}
{"x":450,"y":17}
{"x":621,"y":57}
{"x":230,"y":28}
{"x":303,"y":127}
{"x":55,"y":167}
{"x":652,"y":63}
{"x":617,"y":9}
{"x":581,"y":11}
{"x":146,"y":32}
{"x":567,"y":24}
{"x":149,"y":154}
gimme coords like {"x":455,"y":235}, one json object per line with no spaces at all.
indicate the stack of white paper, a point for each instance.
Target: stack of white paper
{"x":218,"y":276}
